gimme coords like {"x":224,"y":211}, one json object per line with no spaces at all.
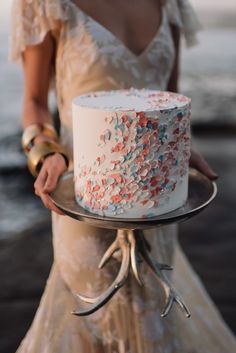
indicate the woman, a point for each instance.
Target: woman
{"x":97,"y":45}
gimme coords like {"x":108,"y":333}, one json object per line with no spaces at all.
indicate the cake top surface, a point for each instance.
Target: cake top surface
{"x":132,"y":99}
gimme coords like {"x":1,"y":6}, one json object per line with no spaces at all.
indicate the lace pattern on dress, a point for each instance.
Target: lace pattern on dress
{"x":181,"y":14}
{"x":32,"y":19}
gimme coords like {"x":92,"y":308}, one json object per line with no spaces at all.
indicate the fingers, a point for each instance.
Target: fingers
{"x":55,"y":166}
{"x":40,"y":181}
{"x":49,"y":204}
{"x":47,"y":180}
{"x":51,"y":182}
{"x":199,"y":163}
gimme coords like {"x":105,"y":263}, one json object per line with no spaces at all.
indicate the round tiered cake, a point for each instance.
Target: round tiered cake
{"x":131,"y":152}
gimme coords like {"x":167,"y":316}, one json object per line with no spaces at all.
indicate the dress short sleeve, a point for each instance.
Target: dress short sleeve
{"x":182,"y":14}
{"x":31,"y":20}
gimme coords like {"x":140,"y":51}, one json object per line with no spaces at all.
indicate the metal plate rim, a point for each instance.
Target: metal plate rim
{"x":138,"y":223}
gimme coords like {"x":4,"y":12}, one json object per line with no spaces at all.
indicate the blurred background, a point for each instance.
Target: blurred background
{"x":208,"y":76}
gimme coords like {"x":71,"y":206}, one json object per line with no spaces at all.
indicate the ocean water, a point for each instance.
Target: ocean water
{"x":208,"y":76}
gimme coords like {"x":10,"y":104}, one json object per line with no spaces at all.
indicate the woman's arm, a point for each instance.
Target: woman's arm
{"x":38,"y":63}
{"x":174,"y":77}
{"x":196,"y":159}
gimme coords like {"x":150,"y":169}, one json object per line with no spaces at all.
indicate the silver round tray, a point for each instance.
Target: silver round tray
{"x":201,"y":192}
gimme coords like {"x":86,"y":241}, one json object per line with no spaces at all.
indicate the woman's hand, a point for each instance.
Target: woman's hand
{"x":53,"y":167}
{"x":199,"y":163}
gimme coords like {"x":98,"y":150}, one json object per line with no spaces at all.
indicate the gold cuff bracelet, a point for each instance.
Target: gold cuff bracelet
{"x":34,"y":130}
{"x":40,"y":151}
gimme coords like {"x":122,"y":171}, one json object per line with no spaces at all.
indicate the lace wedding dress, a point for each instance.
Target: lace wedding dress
{"x":89,"y":57}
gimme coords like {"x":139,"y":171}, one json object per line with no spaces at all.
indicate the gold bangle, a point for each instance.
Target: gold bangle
{"x":34,"y":130}
{"x":40,"y":151}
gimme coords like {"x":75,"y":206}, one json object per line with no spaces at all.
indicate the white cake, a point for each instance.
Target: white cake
{"x":131,"y":152}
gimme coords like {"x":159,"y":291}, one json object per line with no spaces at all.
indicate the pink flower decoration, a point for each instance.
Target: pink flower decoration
{"x":116,"y":198}
{"x":88,"y":185}
{"x":154,"y":125}
{"x":118,"y":178}
{"x":124,"y":118}
{"x":96,"y":188}
{"x":146,"y":151}
{"x":143,"y":120}
{"x":118,"y":147}
{"x":99,"y":195}
{"x":176,"y":131}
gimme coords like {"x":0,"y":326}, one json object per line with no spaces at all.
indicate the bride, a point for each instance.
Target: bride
{"x":79,"y":46}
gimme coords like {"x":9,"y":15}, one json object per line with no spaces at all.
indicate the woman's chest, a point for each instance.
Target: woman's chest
{"x":90,"y":57}
{"x":134,"y":22}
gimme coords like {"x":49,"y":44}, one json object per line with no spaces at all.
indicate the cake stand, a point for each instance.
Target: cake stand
{"x":130,"y":241}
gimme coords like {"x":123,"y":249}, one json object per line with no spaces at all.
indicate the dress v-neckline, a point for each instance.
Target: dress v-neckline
{"x":137,"y":56}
